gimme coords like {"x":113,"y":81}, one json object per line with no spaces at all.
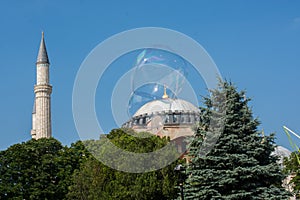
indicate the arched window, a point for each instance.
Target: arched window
{"x":188,"y":118}
{"x":141,"y":121}
{"x":192,"y":118}
{"x":167,"y":119}
{"x":175,"y":118}
{"x":182,"y":119}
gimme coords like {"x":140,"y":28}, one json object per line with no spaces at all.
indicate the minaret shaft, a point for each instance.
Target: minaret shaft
{"x":42,"y":74}
{"x":41,"y":116}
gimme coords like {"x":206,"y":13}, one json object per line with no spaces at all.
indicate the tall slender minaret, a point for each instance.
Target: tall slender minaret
{"x":41,"y":115}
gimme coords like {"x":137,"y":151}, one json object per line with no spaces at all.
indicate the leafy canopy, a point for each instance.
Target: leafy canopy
{"x":94,"y":180}
{"x":39,"y":169}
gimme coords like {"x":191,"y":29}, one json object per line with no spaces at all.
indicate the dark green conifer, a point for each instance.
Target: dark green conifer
{"x":230,"y":159}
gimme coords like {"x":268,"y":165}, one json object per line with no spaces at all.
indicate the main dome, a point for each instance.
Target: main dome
{"x":166,"y":105}
{"x":166,"y":117}
{"x":173,"y":118}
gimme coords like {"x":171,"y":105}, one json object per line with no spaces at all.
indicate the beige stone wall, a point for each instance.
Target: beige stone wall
{"x":41,"y":119}
{"x":289,"y":186}
{"x":33,"y":133}
{"x":42,"y":74}
{"x":43,"y":111}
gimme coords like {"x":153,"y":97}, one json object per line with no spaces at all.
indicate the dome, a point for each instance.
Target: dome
{"x":166,"y":105}
{"x":167,"y":117}
{"x":282,"y":153}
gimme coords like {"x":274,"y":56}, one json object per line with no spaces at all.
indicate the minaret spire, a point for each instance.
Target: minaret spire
{"x":42,"y":55}
{"x":41,"y":115}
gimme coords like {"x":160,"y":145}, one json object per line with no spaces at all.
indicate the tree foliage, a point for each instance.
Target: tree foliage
{"x":44,"y":169}
{"x":94,"y":180}
{"x":292,"y":167}
{"x":240,"y":164}
{"x":38,"y":169}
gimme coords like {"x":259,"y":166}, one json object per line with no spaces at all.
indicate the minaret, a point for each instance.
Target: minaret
{"x":41,"y":115}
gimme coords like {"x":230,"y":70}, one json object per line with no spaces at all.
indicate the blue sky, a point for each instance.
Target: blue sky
{"x":255,"y":44}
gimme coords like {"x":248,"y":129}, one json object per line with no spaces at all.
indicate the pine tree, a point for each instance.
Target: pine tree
{"x":239,"y":165}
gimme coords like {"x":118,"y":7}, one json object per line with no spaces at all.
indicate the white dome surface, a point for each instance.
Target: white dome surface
{"x":282,"y":151}
{"x":166,"y":105}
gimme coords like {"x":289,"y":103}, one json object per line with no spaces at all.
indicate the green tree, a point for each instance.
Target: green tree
{"x":240,"y":164}
{"x":94,"y":180}
{"x":292,"y":167}
{"x":38,"y":169}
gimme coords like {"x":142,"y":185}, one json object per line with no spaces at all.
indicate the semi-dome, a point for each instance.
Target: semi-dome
{"x":166,"y":105}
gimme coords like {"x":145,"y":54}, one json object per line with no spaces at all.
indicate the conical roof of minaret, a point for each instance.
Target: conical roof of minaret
{"x":42,"y":55}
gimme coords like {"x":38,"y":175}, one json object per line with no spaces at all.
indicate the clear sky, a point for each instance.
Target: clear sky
{"x":255,"y":44}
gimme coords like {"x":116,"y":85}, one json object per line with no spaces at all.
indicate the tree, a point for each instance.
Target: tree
{"x":292,"y":168}
{"x":94,"y":180}
{"x":240,"y":164}
{"x":38,"y":169}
